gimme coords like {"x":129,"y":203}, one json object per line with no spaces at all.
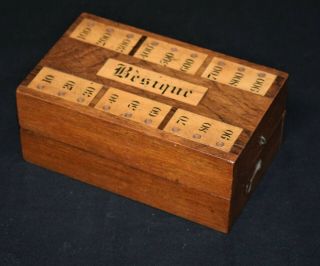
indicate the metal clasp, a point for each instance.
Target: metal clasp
{"x":256,"y":170}
{"x":262,"y":140}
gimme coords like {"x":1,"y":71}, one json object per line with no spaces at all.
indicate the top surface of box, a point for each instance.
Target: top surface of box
{"x":161,"y":87}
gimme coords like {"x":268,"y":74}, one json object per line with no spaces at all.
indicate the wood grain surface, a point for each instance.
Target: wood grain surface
{"x":112,"y":98}
{"x":125,"y":180}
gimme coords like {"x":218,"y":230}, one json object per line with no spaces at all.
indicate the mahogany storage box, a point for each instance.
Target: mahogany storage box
{"x":172,"y":125}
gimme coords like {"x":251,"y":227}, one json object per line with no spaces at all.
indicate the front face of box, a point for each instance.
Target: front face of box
{"x":166,"y":108}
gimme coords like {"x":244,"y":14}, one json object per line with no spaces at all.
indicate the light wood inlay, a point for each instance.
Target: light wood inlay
{"x":152,"y":81}
{"x":203,"y":130}
{"x":239,"y":76}
{"x":170,"y":55}
{"x":107,"y":36}
{"x":66,"y":86}
{"x":133,"y":107}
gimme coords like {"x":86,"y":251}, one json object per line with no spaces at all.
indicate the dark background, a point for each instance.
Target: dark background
{"x":49,"y":219}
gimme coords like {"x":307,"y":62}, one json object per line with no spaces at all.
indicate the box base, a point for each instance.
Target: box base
{"x":130,"y":182}
{"x":158,"y":192}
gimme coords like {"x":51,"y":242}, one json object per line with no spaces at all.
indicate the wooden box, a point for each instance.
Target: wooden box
{"x":181,"y":128}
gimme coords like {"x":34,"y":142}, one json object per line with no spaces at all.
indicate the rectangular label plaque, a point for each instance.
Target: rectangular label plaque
{"x":239,"y":76}
{"x":170,"y":55}
{"x":106,"y":36}
{"x":203,"y":130}
{"x":152,"y":81}
{"x":133,"y":107}
{"x":66,"y":86}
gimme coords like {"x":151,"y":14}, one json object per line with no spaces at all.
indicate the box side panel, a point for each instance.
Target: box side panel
{"x":127,"y":181}
{"x":262,"y":147}
{"x":251,"y":168}
{"x":113,"y":141}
